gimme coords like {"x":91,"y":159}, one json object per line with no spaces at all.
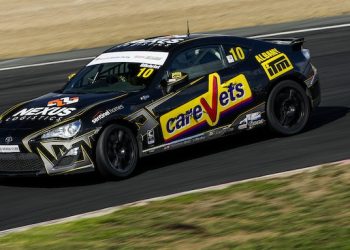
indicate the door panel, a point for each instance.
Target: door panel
{"x":213,"y":101}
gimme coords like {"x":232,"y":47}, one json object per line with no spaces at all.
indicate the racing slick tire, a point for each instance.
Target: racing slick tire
{"x":116,"y":152}
{"x":288,"y":108}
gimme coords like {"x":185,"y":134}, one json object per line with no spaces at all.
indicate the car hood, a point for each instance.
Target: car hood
{"x":49,"y":109}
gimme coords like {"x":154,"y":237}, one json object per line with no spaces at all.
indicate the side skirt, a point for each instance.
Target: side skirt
{"x":252,"y":118}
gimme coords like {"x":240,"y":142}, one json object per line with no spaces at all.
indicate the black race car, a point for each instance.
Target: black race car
{"x":157,"y":94}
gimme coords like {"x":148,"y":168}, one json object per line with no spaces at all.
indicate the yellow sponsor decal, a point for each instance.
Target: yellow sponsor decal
{"x":207,"y":108}
{"x":274,"y":63}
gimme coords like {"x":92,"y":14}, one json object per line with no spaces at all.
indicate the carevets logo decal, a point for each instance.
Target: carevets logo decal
{"x":206,"y":108}
{"x":63,"y":101}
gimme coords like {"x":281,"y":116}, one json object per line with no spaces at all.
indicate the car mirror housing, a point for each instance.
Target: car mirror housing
{"x":70,"y":76}
{"x":176,"y":78}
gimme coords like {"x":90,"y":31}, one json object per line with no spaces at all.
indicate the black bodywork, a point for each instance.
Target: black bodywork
{"x":162,"y":116}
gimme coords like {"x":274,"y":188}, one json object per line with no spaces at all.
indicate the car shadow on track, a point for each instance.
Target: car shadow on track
{"x":320,"y":117}
{"x":324,"y":115}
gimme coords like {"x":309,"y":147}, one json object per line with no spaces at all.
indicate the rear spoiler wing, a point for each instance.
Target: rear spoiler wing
{"x":295,"y":43}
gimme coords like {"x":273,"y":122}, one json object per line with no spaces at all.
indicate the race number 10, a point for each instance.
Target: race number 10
{"x":237,"y":53}
{"x":145,"y":72}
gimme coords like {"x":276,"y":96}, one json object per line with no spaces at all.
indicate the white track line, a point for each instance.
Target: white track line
{"x":258,"y":36}
{"x":304,"y":30}
{"x":48,"y":63}
{"x":110,"y":210}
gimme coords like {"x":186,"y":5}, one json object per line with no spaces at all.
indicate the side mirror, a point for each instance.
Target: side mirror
{"x":70,"y":76}
{"x":177,"y":78}
{"x":174,"y":78}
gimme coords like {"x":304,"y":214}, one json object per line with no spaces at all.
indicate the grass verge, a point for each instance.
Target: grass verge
{"x":30,"y":27}
{"x":310,"y":210}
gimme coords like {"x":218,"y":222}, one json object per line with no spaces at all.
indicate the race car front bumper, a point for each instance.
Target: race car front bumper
{"x":31,"y":164}
{"x":21,"y":157}
{"x":21,"y":164}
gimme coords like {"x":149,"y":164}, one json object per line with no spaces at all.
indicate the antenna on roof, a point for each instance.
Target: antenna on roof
{"x":188,"y":29}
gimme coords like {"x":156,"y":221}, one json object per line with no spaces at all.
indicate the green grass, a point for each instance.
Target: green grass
{"x":305,"y":211}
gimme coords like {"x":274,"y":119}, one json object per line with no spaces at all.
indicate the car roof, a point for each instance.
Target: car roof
{"x":166,"y":43}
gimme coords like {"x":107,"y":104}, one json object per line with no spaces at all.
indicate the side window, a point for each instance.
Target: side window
{"x":235,"y":53}
{"x":198,"y":61}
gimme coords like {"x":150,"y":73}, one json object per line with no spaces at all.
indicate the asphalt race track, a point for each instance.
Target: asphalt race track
{"x":326,"y":139}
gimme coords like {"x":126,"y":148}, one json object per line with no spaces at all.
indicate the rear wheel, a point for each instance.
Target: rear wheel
{"x":288,"y":108}
{"x":116,"y":152}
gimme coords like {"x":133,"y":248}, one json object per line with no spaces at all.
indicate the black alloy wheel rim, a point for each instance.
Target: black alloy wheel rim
{"x":120,"y":150}
{"x":289,"y":107}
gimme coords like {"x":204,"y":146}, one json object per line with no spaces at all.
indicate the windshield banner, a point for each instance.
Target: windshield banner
{"x":150,"y":57}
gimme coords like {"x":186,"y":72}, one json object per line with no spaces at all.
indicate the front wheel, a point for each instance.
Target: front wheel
{"x":288,"y":108}
{"x":116,"y":152}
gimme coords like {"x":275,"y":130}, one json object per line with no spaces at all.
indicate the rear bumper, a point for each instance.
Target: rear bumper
{"x":315,"y":94}
{"x":314,"y":88}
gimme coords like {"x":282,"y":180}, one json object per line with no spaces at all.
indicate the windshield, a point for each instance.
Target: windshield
{"x":123,"y":71}
{"x":112,"y":77}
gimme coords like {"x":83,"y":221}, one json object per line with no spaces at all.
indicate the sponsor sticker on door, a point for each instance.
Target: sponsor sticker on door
{"x":207,"y":108}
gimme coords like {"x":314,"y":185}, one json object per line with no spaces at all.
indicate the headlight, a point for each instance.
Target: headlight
{"x":65,"y":131}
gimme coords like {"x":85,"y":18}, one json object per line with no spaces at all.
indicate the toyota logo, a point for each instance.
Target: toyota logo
{"x":8,"y":139}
